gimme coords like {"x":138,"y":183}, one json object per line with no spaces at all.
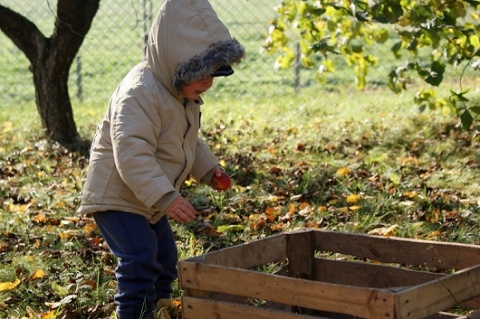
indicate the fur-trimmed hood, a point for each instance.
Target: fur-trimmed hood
{"x":187,"y":41}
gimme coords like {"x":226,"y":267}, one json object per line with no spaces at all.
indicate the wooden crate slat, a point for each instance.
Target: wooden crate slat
{"x":252,"y":254}
{"x":368,"y":275}
{"x":195,"y":308}
{"x":362,"y":302}
{"x":399,"y":250}
{"x":445,"y":315}
{"x":300,"y":255}
{"x":443,"y":293}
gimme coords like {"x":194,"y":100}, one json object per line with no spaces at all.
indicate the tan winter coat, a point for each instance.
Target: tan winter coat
{"x":147,"y":143}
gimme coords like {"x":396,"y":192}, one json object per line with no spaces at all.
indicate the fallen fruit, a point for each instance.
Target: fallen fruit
{"x":222,"y":182}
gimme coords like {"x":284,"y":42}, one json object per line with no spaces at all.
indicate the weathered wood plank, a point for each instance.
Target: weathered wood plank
{"x":249,"y":255}
{"x":300,"y":255}
{"x":368,"y":275}
{"x":443,"y":293}
{"x":399,"y":250}
{"x":195,"y":308}
{"x":361,"y":302}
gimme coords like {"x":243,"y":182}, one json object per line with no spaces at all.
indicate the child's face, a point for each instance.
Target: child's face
{"x":192,"y":90}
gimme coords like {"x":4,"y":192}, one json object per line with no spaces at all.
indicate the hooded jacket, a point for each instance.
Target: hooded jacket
{"x":147,"y":143}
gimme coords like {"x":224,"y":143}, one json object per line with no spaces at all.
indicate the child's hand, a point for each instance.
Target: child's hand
{"x":181,"y":211}
{"x":220,"y":181}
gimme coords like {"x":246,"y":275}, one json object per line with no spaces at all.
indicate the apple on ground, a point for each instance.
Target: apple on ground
{"x":222,"y":182}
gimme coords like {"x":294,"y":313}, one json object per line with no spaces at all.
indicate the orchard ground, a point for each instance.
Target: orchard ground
{"x":337,"y":159}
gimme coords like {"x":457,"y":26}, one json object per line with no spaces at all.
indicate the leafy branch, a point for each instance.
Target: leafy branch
{"x":430,"y":37}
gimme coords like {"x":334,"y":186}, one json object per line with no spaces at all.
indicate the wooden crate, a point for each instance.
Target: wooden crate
{"x":332,"y":275}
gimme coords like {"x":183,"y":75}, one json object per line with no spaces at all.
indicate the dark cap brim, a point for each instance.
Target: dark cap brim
{"x":225,"y":70}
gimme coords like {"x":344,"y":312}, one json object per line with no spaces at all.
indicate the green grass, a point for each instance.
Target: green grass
{"x":414,"y":174}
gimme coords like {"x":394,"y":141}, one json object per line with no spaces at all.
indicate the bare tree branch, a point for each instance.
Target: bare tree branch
{"x":25,"y":34}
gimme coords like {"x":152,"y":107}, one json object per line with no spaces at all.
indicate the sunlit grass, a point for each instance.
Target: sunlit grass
{"x":354,"y":161}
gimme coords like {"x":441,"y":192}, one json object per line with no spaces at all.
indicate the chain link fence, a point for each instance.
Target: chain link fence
{"x":116,"y":43}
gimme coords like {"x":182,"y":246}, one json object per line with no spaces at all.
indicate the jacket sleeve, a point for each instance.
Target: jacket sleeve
{"x":205,"y":162}
{"x":135,"y":127}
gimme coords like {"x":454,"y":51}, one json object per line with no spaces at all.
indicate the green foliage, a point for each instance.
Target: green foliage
{"x":429,"y":37}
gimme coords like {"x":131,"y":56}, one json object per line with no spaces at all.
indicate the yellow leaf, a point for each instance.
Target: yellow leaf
{"x":343,"y":171}
{"x":384,"y":231}
{"x":39,"y":273}
{"x":291,"y":209}
{"x":274,"y":198}
{"x":273,"y":212}
{"x":89,"y":228}
{"x":342,"y":209}
{"x":5,"y":286}
{"x":353,"y":198}
{"x":3,"y":246}
{"x":17,"y":208}
{"x":355,"y":207}
{"x":434,"y":234}
{"x":322,"y":209}
{"x":412,"y":194}
{"x":37,"y":243}
{"x":52,"y":314}
{"x":66,"y":234}
{"x":304,"y":205}
{"x":60,"y":204}
{"x":40,"y":218}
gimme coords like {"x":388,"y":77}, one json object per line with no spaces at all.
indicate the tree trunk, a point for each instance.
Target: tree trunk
{"x":53,"y":103}
{"x":50,"y":60}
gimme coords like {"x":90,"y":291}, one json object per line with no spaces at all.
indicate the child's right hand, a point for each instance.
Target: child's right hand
{"x":181,"y":211}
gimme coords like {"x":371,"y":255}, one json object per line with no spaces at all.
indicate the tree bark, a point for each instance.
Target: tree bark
{"x":50,"y":62}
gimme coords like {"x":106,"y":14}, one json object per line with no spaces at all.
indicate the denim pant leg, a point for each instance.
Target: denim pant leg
{"x":134,"y":241}
{"x":167,"y":257}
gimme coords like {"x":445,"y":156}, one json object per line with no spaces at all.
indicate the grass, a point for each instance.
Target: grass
{"x":352,"y":161}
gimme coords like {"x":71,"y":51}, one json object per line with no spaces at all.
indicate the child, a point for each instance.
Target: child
{"x":147,"y":145}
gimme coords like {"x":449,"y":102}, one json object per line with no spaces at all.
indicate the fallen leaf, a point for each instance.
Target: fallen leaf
{"x":38,"y":274}
{"x":274,"y":198}
{"x":226,"y":228}
{"x":3,"y":246}
{"x":52,"y":314}
{"x":6,"y":286}
{"x":40,"y":218}
{"x":355,"y":207}
{"x":273,"y":212}
{"x":353,"y":198}
{"x":89,"y":228}
{"x":384,"y":231}
{"x":343,"y":171}
{"x":409,"y":194}
{"x":291,"y":209}
{"x":64,"y":301}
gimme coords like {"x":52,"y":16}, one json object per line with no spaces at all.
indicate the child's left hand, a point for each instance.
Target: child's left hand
{"x":220,"y":181}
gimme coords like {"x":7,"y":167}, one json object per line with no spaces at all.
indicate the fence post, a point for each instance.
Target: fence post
{"x":147,"y":22}
{"x":297,"y":67}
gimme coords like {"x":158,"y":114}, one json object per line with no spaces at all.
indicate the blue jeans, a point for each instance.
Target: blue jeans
{"x":147,"y":260}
